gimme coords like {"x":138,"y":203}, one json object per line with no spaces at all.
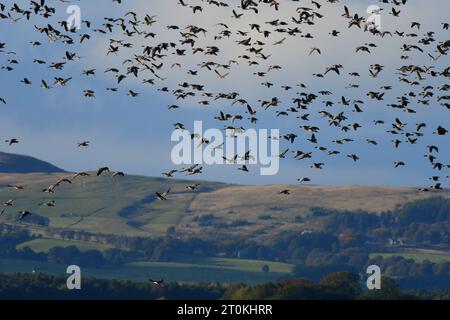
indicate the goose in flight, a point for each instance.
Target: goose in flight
{"x":23,"y":214}
{"x":49,"y":189}
{"x":7,"y":204}
{"x":300,"y":155}
{"x":399,"y":164}
{"x":244,"y":168}
{"x":315,"y":50}
{"x":83,"y":144}
{"x":102,"y":170}
{"x":437,"y":186}
{"x":432,"y":148}
{"x":283,"y":154}
{"x":158,"y":283}
{"x":236,"y":15}
{"x":190,"y":168}
{"x":25,"y":81}
{"x":317,"y":165}
{"x":44,"y":85}
{"x":193,"y":187}
{"x":441,"y":131}
{"x":80,"y":174}
{"x":196,"y":170}
{"x":162,"y":196}
{"x":12,"y":141}
{"x":49,"y":204}
{"x":118,"y":174}
{"x":169,"y":174}
{"x":221,"y":76}
{"x":60,"y":181}
{"x":16,"y":187}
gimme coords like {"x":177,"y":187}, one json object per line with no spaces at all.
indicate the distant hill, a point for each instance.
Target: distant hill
{"x":15,"y":163}
{"x":128,"y":206}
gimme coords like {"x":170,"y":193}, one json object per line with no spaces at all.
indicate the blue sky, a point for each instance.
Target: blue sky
{"x":133,"y":134}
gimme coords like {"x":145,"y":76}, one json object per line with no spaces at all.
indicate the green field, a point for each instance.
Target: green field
{"x":186,"y":269}
{"x":418,"y":256}
{"x":121,"y":206}
{"x":127,"y":206}
{"x":44,"y":245}
{"x":205,"y":269}
{"x":221,"y":263}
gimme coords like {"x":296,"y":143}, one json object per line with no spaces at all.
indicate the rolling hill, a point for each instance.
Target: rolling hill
{"x":14,"y":163}
{"x":128,"y":206}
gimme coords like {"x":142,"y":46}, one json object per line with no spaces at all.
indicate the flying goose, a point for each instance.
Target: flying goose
{"x":102,"y":170}
{"x":158,"y":283}
{"x":16,"y":187}
{"x":163,"y":196}
{"x":83,"y":144}
{"x":12,"y":141}
{"x":193,"y":187}
{"x":118,"y":174}
{"x":23,"y":214}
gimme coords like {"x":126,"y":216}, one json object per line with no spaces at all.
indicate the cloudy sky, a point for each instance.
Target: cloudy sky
{"x":133,"y":134}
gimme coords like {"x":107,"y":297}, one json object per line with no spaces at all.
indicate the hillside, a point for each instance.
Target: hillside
{"x":268,"y":212}
{"x":127,"y":205}
{"x":14,"y":163}
{"x":121,"y":206}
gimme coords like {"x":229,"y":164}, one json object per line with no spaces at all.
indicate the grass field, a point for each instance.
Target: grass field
{"x":122,"y":206}
{"x":418,"y":255}
{"x":222,"y":263}
{"x":186,"y":269}
{"x":127,"y":205}
{"x":207,"y":269}
{"x":44,"y":245}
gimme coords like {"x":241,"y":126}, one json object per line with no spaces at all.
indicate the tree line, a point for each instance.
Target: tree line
{"x":335,"y":286}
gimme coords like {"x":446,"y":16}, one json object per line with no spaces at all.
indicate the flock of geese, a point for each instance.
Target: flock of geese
{"x":149,"y":64}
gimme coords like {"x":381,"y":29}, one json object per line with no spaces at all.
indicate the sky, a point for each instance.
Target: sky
{"x":134,"y":134}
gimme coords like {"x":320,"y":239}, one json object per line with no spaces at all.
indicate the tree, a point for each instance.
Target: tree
{"x":343,"y":282}
{"x":171,"y":230}
{"x":389,"y":291}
